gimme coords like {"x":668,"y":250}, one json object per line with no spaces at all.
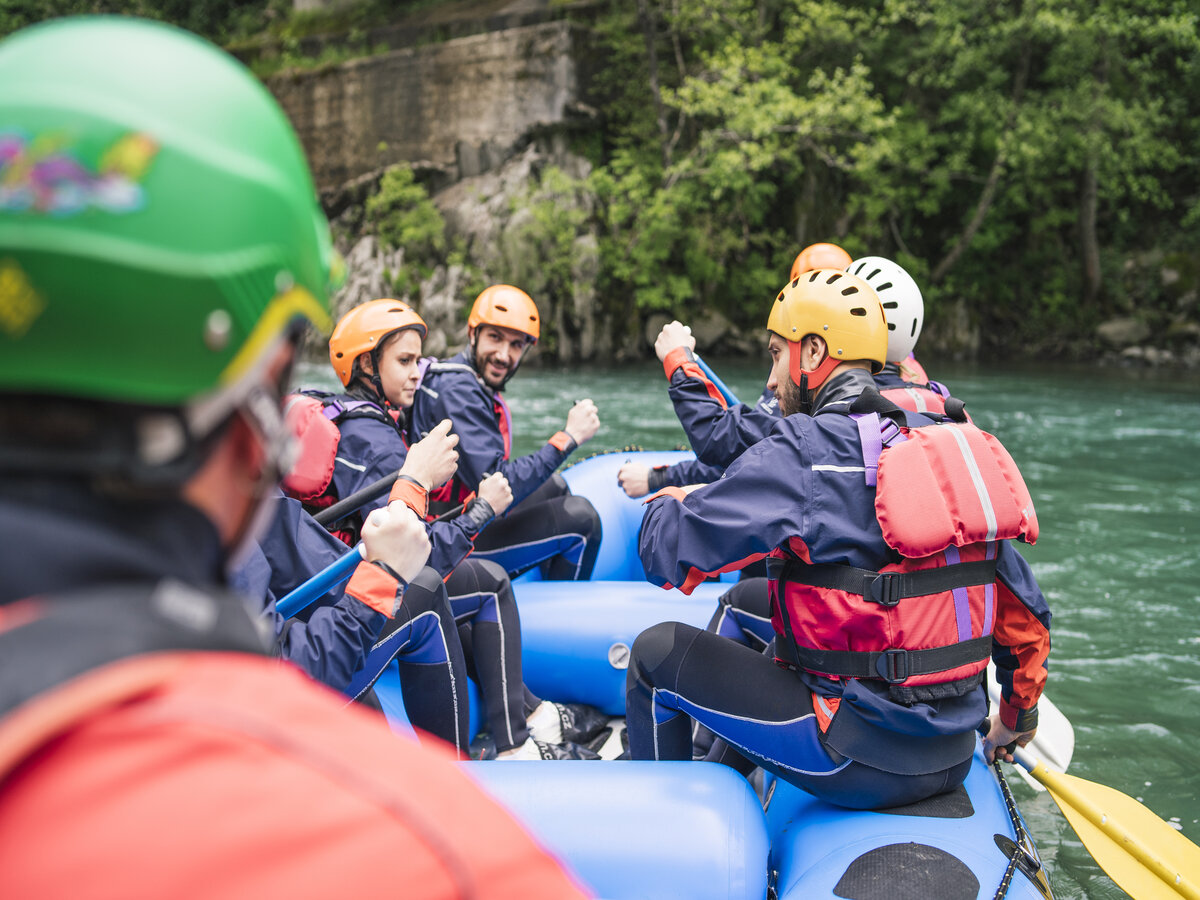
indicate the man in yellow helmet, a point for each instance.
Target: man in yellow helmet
{"x":884,"y":613}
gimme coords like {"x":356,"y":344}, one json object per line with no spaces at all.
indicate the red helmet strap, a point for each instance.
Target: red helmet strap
{"x":815,"y":377}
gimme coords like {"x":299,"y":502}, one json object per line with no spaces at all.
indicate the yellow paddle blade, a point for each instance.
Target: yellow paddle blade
{"x":1140,"y":852}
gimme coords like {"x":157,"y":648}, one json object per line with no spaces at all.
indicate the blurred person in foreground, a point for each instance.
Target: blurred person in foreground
{"x":160,"y":245}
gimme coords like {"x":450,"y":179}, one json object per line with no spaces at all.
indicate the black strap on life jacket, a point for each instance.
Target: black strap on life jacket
{"x":884,"y":588}
{"x":871,"y":401}
{"x":887,"y":589}
{"x":892,"y":666}
{"x":78,"y":631}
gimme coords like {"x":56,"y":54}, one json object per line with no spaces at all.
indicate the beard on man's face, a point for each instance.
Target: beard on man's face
{"x":493,"y":371}
{"x":790,"y":397}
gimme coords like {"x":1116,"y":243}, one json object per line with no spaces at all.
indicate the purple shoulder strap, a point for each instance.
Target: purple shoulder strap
{"x":334,"y":409}
{"x":875,"y":433}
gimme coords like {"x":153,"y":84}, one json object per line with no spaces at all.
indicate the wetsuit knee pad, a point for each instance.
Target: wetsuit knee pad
{"x":583,"y":516}
{"x":428,"y":579}
{"x":489,"y":576}
{"x":426,"y":593}
{"x":661,"y":646}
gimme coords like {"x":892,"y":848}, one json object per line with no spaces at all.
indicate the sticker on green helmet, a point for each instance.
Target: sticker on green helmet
{"x":155,"y":206}
{"x":20,"y":304}
{"x":48,"y":175}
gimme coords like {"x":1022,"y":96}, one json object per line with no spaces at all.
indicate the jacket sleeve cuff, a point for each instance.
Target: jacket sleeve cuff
{"x":657,"y":478}
{"x":1018,"y":720}
{"x":376,"y":587}
{"x":675,"y":359}
{"x":562,"y":442}
{"x":670,"y":491}
{"x":411,"y":494}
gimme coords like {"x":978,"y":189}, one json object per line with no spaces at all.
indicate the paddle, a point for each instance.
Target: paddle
{"x":343,"y":508}
{"x":717,"y":382}
{"x":1054,"y":742}
{"x":1140,"y":852}
{"x":334,"y":574}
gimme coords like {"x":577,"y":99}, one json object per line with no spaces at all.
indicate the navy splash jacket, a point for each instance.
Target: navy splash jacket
{"x":805,"y":482}
{"x":717,"y":431}
{"x":331,"y":645}
{"x":451,"y":390}
{"x":368,"y":450}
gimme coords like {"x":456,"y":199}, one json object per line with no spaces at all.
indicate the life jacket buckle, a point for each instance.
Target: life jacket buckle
{"x":892,"y":666}
{"x":884,"y":589}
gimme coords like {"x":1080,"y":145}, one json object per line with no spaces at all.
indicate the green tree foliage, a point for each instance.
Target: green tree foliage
{"x":404,"y":216}
{"x":1013,"y":155}
{"x":218,"y":20}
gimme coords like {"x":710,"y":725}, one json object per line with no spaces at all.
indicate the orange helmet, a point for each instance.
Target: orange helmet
{"x":840,"y":308}
{"x":819,"y":256}
{"x":365,"y":328}
{"x":507,"y":307}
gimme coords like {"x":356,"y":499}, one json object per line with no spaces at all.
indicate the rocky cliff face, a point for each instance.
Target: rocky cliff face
{"x":482,"y":118}
{"x":460,"y":106}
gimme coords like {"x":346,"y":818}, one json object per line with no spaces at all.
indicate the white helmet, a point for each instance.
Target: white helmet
{"x":901,"y":299}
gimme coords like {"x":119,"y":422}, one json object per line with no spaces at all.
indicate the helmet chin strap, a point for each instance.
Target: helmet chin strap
{"x":376,"y":379}
{"x":368,"y":382}
{"x":809,"y":380}
{"x":279,"y":448}
{"x":806,"y":404}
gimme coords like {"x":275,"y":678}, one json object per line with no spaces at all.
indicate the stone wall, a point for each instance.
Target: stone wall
{"x":460,"y":106}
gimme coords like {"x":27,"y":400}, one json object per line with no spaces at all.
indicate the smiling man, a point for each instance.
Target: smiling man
{"x":546,"y":525}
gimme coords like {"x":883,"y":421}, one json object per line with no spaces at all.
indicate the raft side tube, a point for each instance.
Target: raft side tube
{"x":576,"y":636}
{"x":943,"y":847}
{"x":645,"y":830}
{"x":620,"y":515}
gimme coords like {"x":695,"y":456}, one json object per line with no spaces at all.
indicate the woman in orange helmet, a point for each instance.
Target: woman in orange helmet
{"x":375,"y":349}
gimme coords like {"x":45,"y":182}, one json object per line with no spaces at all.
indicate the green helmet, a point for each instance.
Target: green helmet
{"x":159,"y":229}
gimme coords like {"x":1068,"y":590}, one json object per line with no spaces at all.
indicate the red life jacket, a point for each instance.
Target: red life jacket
{"x":313,"y":417}
{"x":945,"y":494}
{"x":911,"y":370}
{"x":918,"y":398}
{"x":317,"y":440}
{"x":160,"y":732}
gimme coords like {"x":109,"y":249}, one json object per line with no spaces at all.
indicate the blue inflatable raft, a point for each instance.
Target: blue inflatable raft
{"x":698,"y":830}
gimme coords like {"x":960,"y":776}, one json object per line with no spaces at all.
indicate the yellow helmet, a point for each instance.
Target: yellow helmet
{"x":840,"y":308}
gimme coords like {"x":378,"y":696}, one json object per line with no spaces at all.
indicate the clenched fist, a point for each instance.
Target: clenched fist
{"x":673,"y":334}
{"x":583,"y":421}
{"x":395,"y":536}
{"x":433,"y":460}
{"x":496,"y":491}
{"x":634,"y":479}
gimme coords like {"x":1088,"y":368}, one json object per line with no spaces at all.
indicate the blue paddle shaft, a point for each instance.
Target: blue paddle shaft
{"x":717,"y":382}
{"x":332,"y":575}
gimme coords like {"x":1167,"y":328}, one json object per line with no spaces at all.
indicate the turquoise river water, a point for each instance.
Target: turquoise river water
{"x":1112,"y":459}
